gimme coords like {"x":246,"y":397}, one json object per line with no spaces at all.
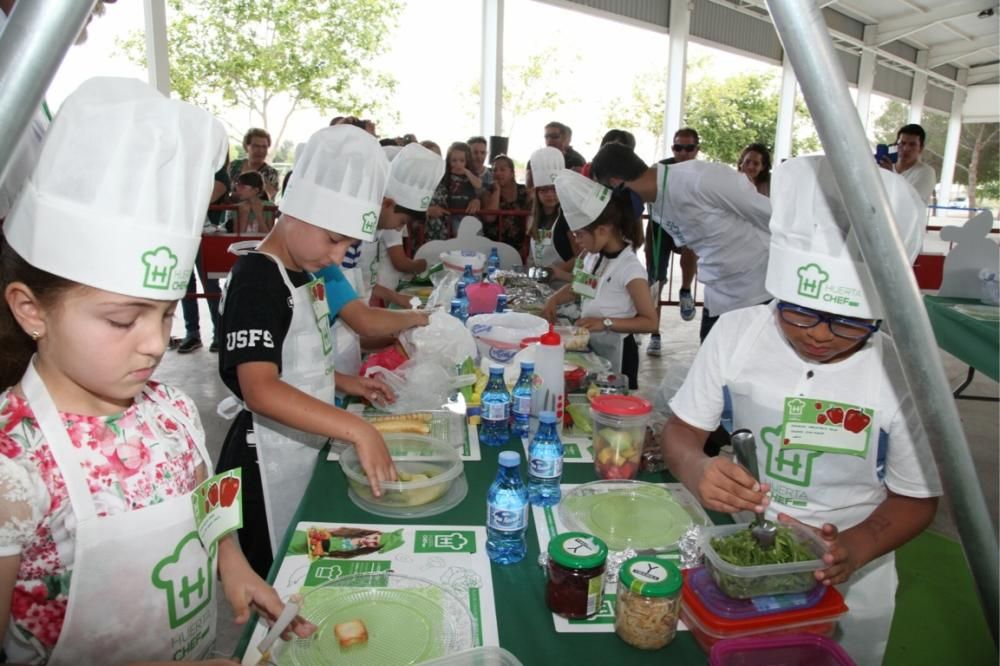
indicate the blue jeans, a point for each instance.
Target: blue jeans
{"x":189,"y":306}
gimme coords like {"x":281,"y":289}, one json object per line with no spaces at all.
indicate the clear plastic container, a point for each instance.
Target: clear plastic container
{"x":715,"y":600}
{"x":795,"y":649}
{"x":488,"y":655}
{"x":708,"y":628}
{"x":769,"y":579}
{"x":619,"y":433}
{"x":648,"y":602}
{"x":430,"y":474}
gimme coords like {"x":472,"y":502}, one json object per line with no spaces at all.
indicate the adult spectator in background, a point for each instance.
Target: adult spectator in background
{"x":558,"y":135}
{"x":506,"y":194}
{"x":430,"y":145}
{"x":755,"y":162}
{"x":910,"y":144}
{"x":621,"y":136}
{"x":257,"y":142}
{"x":457,"y":190}
{"x":478,"y":147}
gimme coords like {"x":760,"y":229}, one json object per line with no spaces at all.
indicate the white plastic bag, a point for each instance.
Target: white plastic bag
{"x":444,"y":290}
{"x":444,"y":340}
{"x":419,"y":384}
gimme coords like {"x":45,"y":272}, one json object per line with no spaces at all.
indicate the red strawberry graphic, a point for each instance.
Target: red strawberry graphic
{"x":230,"y":487}
{"x":821,"y":419}
{"x":835,"y":414}
{"x":208,"y":507}
{"x":213,"y":494}
{"x":819,"y":405}
{"x":856,"y":421}
{"x":787,"y":442}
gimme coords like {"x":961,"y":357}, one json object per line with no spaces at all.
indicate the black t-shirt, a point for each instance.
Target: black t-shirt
{"x":256,"y":312}
{"x":560,"y":238}
{"x":574,"y":160}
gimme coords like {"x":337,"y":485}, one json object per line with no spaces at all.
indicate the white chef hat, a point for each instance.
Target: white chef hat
{"x":545,"y":163}
{"x":581,"y":198}
{"x":117,"y":200}
{"x":338,"y":182}
{"x":413,"y":177}
{"x":391,"y":152}
{"x":815,"y":260}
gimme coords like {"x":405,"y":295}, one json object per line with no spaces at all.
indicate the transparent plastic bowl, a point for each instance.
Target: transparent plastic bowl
{"x":757,"y":581}
{"x":412,"y":455}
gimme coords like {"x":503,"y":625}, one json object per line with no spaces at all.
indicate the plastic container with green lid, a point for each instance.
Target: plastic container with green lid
{"x":648,"y":602}
{"x":575,"y":588}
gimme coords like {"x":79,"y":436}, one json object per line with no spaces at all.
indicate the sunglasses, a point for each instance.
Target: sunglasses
{"x":686,"y":147}
{"x":843,"y":327}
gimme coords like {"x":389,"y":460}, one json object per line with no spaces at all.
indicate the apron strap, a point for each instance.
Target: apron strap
{"x":197,"y":434}
{"x":281,"y":269}
{"x":51,"y":425}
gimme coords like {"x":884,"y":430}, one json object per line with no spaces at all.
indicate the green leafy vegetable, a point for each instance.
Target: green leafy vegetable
{"x":741,"y":549}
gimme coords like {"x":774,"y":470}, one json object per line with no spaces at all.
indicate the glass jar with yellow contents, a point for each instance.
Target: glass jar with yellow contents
{"x":648,"y":602}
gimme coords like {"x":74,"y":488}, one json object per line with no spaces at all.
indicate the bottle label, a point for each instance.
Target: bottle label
{"x":506,"y":519}
{"x":522,"y":405}
{"x":546,"y":468}
{"x":496,"y":411}
{"x":595,"y":594}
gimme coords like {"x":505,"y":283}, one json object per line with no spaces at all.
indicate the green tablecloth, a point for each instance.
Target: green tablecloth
{"x":971,"y":340}
{"x":524,"y":622}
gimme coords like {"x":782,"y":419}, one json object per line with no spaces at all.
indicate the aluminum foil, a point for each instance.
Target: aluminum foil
{"x":689,"y":546}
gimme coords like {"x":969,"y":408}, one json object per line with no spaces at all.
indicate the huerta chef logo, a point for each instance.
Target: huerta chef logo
{"x":603,"y":194}
{"x":185,"y":577}
{"x":811,"y":280}
{"x":814,"y":282}
{"x":368,"y":222}
{"x":159,"y":263}
{"x":426,"y":201}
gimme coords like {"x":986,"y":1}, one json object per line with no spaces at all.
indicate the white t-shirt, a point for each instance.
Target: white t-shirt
{"x":715,"y":210}
{"x":613,"y":299}
{"x":388,"y":275}
{"x":921,"y":176}
{"x":751,"y":360}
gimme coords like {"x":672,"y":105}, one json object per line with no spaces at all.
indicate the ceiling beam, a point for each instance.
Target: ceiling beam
{"x":982,"y":73}
{"x":939,"y":55}
{"x":906,"y":24}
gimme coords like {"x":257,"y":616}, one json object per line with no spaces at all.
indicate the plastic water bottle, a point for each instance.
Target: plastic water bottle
{"x":461,"y":297}
{"x":494,"y":429}
{"x":494,"y":261}
{"x":545,"y":462}
{"x":507,"y":512}
{"x":467,"y":277}
{"x":521,"y":400}
{"x":501,"y":303}
{"x":456,"y":308}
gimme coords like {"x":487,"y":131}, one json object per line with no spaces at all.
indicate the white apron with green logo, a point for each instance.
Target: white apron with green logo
{"x":142,"y":583}
{"x":803,"y":485}
{"x":287,"y":455}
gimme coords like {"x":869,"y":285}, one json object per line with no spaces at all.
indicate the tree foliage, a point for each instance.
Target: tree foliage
{"x":644,"y":111}
{"x":248,"y":54}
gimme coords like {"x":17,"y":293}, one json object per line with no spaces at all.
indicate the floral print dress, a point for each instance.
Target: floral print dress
{"x":132,"y":460}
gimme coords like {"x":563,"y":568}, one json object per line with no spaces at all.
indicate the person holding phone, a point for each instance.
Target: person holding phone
{"x":909,"y":147}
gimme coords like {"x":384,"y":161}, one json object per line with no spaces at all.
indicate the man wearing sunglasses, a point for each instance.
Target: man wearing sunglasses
{"x":839,"y":442}
{"x":559,"y":135}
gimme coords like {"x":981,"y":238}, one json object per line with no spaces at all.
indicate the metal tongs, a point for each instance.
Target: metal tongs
{"x":764,"y":531}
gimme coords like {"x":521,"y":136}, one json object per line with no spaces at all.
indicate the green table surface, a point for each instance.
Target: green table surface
{"x":973,"y":341}
{"x":524,"y":622}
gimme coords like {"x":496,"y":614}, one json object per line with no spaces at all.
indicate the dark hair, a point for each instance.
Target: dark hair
{"x":913,"y":129}
{"x":688,"y":131}
{"x":620,"y":215}
{"x":17,"y":346}
{"x":615,"y":160}
{"x":621,"y":136}
{"x":431,"y":145}
{"x":251,"y":179}
{"x":256,"y":133}
{"x":765,"y":158}
{"x":477,"y":139}
{"x":414,"y":214}
{"x":563,"y":129}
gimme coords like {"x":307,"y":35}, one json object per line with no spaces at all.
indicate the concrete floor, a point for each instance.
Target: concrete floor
{"x":197,"y":374}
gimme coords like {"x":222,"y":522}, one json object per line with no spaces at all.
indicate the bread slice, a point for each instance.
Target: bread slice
{"x":351,"y":633}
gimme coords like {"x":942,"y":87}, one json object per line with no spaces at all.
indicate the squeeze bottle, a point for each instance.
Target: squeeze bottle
{"x":550,"y":381}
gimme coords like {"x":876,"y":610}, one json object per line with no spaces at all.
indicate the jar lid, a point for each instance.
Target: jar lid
{"x":650,"y":577}
{"x":578,"y":550}
{"x":621,"y":405}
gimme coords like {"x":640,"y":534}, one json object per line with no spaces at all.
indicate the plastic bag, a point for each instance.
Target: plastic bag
{"x":420,"y":384}
{"x":444,"y":340}
{"x":671,"y":384}
{"x":444,"y":290}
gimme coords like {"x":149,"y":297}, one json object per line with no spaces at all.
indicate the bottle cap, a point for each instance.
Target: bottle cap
{"x":495,"y":368}
{"x":551,"y":338}
{"x":510,"y":459}
{"x":547,"y":416}
{"x":527,"y":365}
{"x":650,"y":577}
{"x":577,"y":550}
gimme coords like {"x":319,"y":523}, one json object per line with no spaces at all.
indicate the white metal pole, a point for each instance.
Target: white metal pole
{"x":491,"y":79}
{"x":952,"y":139}
{"x":680,"y":27}
{"x":156,"y":45}
{"x":784,"y":133}
{"x":919,"y":90}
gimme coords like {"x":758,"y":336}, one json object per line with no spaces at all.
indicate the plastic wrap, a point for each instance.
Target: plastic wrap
{"x":444,"y":340}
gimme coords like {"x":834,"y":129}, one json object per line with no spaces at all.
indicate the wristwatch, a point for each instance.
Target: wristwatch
{"x":607,"y":324}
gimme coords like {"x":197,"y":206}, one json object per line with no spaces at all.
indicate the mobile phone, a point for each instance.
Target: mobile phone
{"x":887,"y":150}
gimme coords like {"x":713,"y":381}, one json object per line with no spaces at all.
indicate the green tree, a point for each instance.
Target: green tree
{"x":249,"y":54}
{"x":644,"y":111}
{"x":978,"y":160}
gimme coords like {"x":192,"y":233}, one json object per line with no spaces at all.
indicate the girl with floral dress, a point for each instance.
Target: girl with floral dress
{"x":458,"y":189}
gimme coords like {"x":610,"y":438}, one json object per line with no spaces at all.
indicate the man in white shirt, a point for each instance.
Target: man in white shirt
{"x":910,"y":143}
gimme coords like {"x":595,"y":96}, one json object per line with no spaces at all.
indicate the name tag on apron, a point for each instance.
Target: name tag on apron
{"x":317,"y":294}
{"x":824,"y":425}
{"x":218,"y":506}
{"x":584,"y":283}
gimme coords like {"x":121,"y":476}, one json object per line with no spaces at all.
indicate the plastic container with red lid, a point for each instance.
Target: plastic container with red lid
{"x":708,"y":628}
{"x":793,"y":649}
{"x":619,"y":434}
{"x":715,"y":600}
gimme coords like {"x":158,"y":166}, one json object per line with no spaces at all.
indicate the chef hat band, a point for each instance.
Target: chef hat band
{"x":545,"y":163}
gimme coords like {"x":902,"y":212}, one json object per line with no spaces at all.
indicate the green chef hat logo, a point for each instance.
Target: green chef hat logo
{"x":426,"y":201}
{"x":160,"y":264}
{"x":811,"y":280}
{"x":368,"y":221}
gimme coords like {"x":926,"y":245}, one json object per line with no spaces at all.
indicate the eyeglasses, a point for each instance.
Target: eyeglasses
{"x":553,"y":136}
{"x":686,"y":147}
{"x":842,"y":327}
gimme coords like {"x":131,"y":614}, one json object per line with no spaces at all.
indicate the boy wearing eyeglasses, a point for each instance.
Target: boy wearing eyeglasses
{"x":840,"y":446}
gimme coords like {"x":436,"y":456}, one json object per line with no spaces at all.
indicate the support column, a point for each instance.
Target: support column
{"x":919,"y":89}
{"x":491,"y":78}
{"x":680,"y":27}
{"x":156,"y":45}
{"x":866,"y":75}
{"x":786,"y":113}
{"x":951,"y":142}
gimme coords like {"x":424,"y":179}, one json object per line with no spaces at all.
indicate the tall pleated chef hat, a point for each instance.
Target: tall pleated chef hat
{"x":413,"y":177}
{"x":815,"y":260}
{"x":338,"y":182}
{"x":545,"y":163}
{"x":118,"y":198}
{"x":581,"y":198}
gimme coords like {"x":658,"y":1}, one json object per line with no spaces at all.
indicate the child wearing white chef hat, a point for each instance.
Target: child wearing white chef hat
{"x":813,"y":377}
{"x":277,"y":352}
{"x":609,"y":280}
{"x":551,"y":245}
{"x":98,"y":462}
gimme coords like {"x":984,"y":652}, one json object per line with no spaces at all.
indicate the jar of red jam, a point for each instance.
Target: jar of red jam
{"x":575,"y":589}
